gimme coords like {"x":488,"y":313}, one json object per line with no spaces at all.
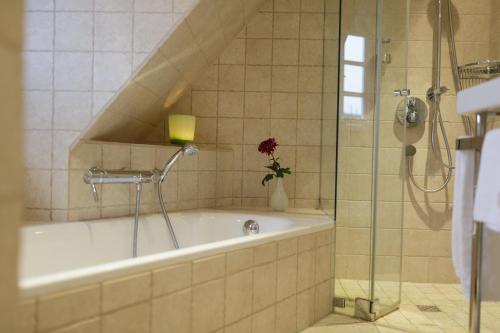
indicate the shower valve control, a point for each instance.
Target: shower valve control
{"x":402,"y":92}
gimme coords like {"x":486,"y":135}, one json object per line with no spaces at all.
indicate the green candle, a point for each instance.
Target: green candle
{"x":181,"y":128}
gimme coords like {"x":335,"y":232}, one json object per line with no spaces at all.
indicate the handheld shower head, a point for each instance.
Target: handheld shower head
{"x":188,"y":149}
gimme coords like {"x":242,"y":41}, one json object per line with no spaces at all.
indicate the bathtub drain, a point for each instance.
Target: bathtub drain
{"x":250,"y":227}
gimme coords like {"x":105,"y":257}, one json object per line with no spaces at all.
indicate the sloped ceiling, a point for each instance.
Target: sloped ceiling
{"x":187,"y":50}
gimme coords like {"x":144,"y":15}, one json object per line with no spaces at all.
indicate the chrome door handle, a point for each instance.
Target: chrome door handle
{"x":402,"y":92}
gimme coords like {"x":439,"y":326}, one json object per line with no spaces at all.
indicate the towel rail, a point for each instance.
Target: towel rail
{"x":475,"y":143}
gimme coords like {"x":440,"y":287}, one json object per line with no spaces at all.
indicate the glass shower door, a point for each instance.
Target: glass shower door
{"x":370,"y":172}
{"x":389,"y":167}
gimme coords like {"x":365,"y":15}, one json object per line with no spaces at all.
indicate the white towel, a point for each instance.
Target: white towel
{"x":463,"y":198}
{"x":487,"y":203}
{"x":463,"y":215}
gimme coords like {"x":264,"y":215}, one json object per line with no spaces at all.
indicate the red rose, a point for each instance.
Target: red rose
{"x":268,"y":146}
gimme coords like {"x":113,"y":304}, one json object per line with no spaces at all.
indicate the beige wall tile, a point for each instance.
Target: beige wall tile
{"x":306,"y":270}
{"x":209,"y":268}
{"x":285,"y":52}
{"x":284,"y":78}
{"x":204,"y":103}
{"x":286,"y":25}
{"x":25,"y":320}
{"x":234,"y":53}
{"x":231,"y":104}
{"x":261,"y":26}
{"x":242,"y":326}
{"x":208,"y":306}
{"x":238,"y":294}
{"x":88,"y":326}
{"x":134,"y":319}
{"x":257,"y":104}
{"x":323,"y":300}
{"x":311,"y":26}
{"x":287,"y":247}
{"x":284,"y":105}
{"x":239,"y":260}
{"x":287,"y":277}
{"x":305,"y":309}
{"x":323,"y":261}
{"x":67,"y":307}
{"x":231,"y":77}
{"x":265,"y":253}
{"x":230,"y":130}
{"x":125,"y":291}
{"x":264,"y":321}
{"x":255,"y":130}
{"x":172,"y":313}
{"x":258,"y":78}
{"x":286,"y":316}
{"x":284,"y":131}
{"x":264,"y":286}
{"x":259,"y":51}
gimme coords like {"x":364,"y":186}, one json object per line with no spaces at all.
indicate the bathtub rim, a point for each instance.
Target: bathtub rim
{"x":59,"y":282}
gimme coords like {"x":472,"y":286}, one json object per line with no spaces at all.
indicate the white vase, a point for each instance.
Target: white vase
{"x":279,"y":199}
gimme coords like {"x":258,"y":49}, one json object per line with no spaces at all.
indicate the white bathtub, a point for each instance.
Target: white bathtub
{"x":64,"y":255}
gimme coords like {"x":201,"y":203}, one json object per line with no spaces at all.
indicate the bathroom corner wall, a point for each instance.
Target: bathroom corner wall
{"x":77,"y":54}
{"x":195,"y":182}
{"x":11,"y":191}
{"x":427,"y":219}
{"x":269,"y":83}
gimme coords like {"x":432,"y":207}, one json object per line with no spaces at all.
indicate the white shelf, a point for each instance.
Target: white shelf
{"x":483,"y":97}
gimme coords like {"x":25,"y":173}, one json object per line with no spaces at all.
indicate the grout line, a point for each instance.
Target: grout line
{"x":53,"y":112}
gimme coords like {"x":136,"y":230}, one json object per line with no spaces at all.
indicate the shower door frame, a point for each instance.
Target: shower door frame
{"x":367,"y":308}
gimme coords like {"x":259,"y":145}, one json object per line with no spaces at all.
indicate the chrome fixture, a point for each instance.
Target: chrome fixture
{"x":189,"y":150}
{"x":434,"y":96}
{"x":386,"y":57}
{"x":410,"y":151}
{"x":402,"y":92}
{"x":95,"y":176}
{"x":411,"y":112}
{"x":250,"y":227}
{"x":478,"y":72}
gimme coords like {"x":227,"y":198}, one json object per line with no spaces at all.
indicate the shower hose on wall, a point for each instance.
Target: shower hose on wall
{"x":464,"y":77}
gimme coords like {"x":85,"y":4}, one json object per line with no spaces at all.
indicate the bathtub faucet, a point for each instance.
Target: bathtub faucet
{"x":96,"y":175}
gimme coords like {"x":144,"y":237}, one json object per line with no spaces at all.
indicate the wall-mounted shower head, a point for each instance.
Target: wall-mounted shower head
{"x":410,"y":151}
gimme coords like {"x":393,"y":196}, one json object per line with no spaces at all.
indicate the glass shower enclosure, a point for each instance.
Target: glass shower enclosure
{"x":369,"y":177}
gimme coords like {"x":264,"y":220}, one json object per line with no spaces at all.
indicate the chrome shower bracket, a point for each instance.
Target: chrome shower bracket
{"x":432,"y":93}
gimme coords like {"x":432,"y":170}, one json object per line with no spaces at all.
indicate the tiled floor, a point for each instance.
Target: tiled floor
{"x":453,"y":317}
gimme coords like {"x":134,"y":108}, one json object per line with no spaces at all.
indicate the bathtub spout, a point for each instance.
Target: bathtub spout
{"x":189,"y":150}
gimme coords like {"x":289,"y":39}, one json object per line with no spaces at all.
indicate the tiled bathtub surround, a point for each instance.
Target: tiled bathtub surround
{"x":270,"y":82}
{"x":193,"y":183}
{"x":281,"y":286}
